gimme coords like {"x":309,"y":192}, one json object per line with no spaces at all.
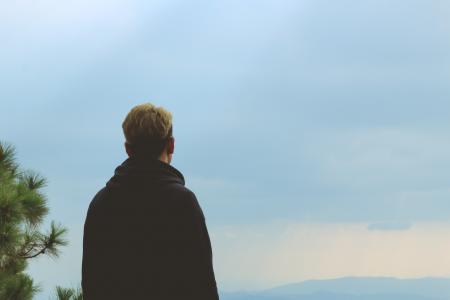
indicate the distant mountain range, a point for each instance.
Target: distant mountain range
{"x":353,"y":288}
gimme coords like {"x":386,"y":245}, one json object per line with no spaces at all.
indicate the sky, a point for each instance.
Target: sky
{"x":314,"y":133}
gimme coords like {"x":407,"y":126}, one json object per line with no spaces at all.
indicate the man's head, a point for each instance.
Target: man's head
{"x":148,"y":132}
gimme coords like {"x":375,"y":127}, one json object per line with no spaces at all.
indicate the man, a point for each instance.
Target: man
{"x":145,"y":235}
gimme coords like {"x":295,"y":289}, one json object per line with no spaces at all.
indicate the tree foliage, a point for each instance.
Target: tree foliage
{"x":23,"y":208}
{"x":68,"y":293}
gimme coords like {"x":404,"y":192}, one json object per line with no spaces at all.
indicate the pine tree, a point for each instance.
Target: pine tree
{"x":68,"y":293}
{"x":23,"y":208}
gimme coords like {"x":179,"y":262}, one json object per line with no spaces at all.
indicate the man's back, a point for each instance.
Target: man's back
{"x":145,"y":238}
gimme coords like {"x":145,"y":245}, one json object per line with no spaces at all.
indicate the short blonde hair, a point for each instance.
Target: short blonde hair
{"x":147,"y":124}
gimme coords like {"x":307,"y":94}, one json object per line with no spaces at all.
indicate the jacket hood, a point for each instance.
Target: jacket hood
{"x":134,"y":171}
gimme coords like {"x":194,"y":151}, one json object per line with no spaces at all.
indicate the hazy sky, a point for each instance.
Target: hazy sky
{"x":298,"y":124}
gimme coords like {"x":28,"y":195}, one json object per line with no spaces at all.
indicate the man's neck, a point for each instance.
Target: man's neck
{"x":164,"y":159}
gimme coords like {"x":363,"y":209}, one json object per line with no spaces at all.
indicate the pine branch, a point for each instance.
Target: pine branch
{"x":68,"y":293}
{"x":20,"y":286}
{"x":34,"y":205}
{"x":8,"y":158}
{"x":48,"y":244}
{"x":64,"y":293}
{"x":32,"y":180}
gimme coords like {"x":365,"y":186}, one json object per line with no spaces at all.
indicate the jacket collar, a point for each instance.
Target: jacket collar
{"x":137,"y":169}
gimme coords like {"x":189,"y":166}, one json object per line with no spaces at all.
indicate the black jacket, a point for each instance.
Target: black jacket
{"x":145,"y":237}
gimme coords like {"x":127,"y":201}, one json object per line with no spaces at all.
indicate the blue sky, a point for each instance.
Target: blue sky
{"x":332,"y":113}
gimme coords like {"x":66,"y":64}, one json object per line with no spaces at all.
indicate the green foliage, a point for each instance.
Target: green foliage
{"x":23,"y":208}
{"x":68,"y":293}
{"x":18,"y":287}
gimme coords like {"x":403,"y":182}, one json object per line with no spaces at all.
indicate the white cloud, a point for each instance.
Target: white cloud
{"x":389,"y":226}
{"x":261,"y":256}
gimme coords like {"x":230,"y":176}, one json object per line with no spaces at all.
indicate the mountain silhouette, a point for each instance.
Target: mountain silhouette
{"x":353,"y":288}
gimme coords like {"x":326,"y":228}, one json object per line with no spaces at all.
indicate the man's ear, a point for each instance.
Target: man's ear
{"x":128,"y":149}
{"x":171,"y":145}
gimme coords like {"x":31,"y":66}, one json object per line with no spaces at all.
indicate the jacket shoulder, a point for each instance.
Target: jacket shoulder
{"x":97,"y":200}
{"x":189,"y":201}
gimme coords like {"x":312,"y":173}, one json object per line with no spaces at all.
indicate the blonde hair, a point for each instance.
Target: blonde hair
{"x":147,"y":123}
